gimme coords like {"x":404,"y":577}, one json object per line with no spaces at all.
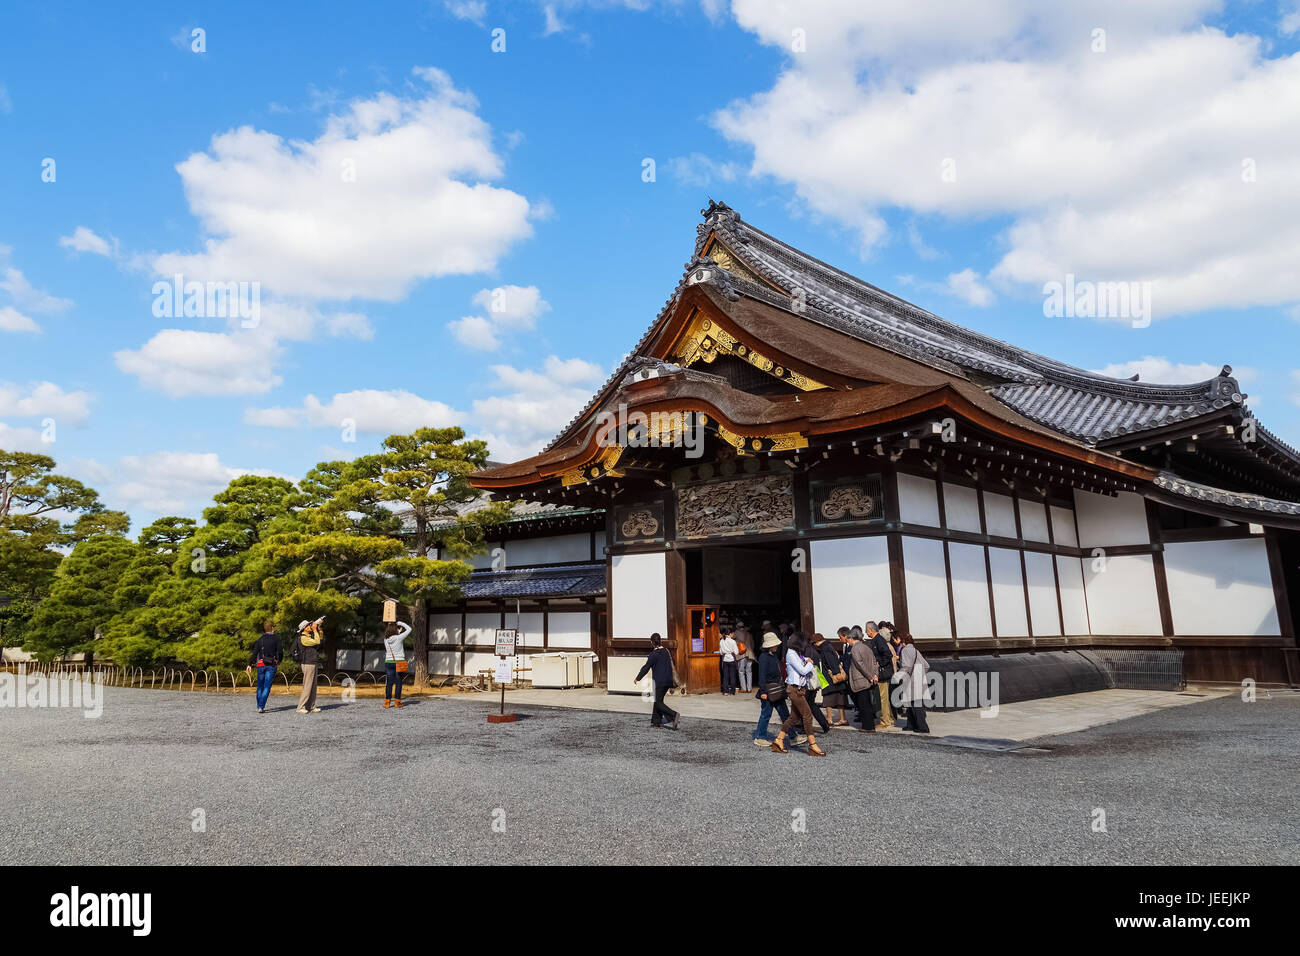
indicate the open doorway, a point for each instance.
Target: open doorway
{"x":727,"y":586}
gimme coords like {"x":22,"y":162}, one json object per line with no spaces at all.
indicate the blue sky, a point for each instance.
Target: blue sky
{"x":1165,"y":150}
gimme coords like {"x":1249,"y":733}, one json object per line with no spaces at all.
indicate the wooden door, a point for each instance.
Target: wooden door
{"x":702,"y":668}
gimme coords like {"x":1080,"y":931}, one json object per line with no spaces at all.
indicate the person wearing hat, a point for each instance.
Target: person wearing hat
{"x":769,"y":677}
{"x":309,"y":637}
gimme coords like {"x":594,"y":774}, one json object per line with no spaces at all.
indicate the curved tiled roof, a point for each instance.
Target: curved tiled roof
{"x":1084,"y":405}
{"x":1234,"y":499}
{"x":568,"y":580}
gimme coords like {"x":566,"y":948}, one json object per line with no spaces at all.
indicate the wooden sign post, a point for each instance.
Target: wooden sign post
{"x":506,"y":640}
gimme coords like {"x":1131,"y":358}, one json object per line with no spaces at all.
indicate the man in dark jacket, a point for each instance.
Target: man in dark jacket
{"x":885,"y":658}
{"x":769,"y":677}
{"x":660,"y":663}
{"x":265,"y":656}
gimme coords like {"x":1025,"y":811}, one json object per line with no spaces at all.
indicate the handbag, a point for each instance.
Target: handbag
{"x":677,"y":681}
{"x":776,"y":693}
{"x":402,"y":666}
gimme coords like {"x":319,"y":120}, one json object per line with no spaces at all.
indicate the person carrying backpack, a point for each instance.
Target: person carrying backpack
{"x":265,"y":654}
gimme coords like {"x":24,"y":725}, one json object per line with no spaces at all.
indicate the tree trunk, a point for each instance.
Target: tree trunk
{"x":420,"y":632}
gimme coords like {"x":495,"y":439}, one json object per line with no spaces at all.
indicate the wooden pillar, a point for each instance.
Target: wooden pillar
{"x":675,"y":594}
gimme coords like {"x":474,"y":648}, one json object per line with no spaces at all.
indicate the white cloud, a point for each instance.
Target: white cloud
{"x":26,"y":296}
{"x":1290,"y":22}
{"x":181,"y":362}
{"x":298,"y":322}
{"x":86,"y":240}
{"x":44,"y":399}
{"x":22,"y":439}
{"x":508,"y":307}
{"x":368,"y":410}
{"x":165,"y":482}
{"x":349,"y":325}
{"x":697,"y":169}
{"x":553,"y":22}
{"x":968,"y":286}
{"x":1169,"y":158}
{"x":394,"y":191}
{"x":513,"y":306}
{"x":475,"y":332}
{"x":535,"y":405}
{"x":473,"y":10}
{"x":11,"y":320}
{"x":1161,"y":371}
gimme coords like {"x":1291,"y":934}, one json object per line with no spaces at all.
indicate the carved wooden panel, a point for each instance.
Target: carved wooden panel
{"x":643,"y":522}
{"x":851,"y":499}
{"x":749,"y":505}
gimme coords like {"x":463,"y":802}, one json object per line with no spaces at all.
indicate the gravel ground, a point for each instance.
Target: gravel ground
{"x":1212,"y":782}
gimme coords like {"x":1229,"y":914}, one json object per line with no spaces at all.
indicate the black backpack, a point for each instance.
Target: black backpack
{"x":296,"y":650}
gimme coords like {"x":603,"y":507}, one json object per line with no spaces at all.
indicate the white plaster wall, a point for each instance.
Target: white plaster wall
{"x":918,"y":501}
{"x":551,"y":550}
{"x":530,"y":628}
{"x":1033,"y":520}
{"x":926,"y":582}
{"x":1074,"y":604}
{"x":619,"y":672}
{"x":961,"y":507}
{"x":569,"y":629}
{"x":1122,"y":594}
{"x":1221,"y":587}
{"x":850,"y":582}
{"x":1008,"y":592}
{"x":970,"y":590}
{"x":1040,"y":579}
{"x":1000,"y":516}
{"x":444,"y":628}
{"x":477,"y":662}
{"x":639,"y":591}
{"x":1063,"y":532}
{"x":1105,"y":521}
{"x":444,"y":662}
{"x":482,"y":628}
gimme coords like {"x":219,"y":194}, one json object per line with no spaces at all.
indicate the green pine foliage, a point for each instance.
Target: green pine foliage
{"x":197,"y":592}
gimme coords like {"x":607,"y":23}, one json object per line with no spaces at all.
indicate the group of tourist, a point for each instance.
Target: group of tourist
{"x":267,"y":652}
{"x":857,"y":671}
{"x":788,"y":669}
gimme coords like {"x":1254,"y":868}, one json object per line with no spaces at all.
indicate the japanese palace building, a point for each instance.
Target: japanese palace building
{"x":861,"y":458}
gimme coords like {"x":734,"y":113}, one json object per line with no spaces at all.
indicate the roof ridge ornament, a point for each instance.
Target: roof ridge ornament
{"x":702,"y":270}
{"x":716,"y":212}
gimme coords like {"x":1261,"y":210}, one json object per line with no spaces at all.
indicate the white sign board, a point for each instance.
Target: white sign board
{"x":503,"y":674}
{"x":506,"y":641}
